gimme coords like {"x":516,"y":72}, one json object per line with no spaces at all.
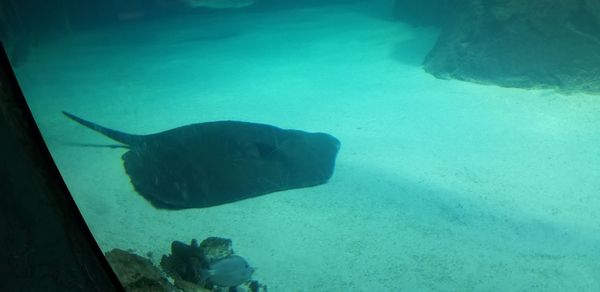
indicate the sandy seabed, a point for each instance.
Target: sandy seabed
{"x":439,"y":185}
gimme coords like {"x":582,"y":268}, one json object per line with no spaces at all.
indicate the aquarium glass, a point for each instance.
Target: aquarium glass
{"x":319,"y":138}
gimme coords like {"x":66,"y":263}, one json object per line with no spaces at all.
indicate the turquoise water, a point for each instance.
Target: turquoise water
{"x":439,"y":185}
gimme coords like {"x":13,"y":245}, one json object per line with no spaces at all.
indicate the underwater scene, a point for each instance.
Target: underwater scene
{"x":333,"y":145}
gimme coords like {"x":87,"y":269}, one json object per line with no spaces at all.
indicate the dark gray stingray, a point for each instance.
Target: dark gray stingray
{"x":208,"y":164}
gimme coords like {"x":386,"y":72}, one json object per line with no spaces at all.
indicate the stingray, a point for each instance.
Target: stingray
{"x":213,"y":163}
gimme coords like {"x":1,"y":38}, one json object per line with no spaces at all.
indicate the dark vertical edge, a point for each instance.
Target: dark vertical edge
{"x":45,"y":245}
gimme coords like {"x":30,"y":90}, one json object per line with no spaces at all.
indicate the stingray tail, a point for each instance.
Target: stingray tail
{"x":127,"y":139}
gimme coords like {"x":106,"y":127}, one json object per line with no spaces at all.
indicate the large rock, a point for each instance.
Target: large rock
{"x":137,"y":273}
{"x":516,"y":43}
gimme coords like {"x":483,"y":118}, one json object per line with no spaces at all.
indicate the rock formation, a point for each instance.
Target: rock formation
{"x":137,"y":273}
{"x":515,"y":43}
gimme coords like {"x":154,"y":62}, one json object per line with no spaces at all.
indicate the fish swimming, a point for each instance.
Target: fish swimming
{"x":230,"y":271}
{"x":213,"y":163}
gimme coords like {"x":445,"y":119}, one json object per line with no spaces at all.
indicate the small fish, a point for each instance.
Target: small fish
{"x":229,"y":272}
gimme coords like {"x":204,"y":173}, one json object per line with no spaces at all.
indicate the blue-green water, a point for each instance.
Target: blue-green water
{"x":439,"y":185}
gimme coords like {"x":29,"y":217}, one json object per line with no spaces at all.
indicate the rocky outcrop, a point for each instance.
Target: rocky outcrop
{"x":137,"y":273}
{"x":187,"y":263}
{"x":515,"y":43}
{"x":187,"y":266}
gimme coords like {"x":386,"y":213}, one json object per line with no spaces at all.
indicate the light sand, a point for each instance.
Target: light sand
{"x":439,"y":185}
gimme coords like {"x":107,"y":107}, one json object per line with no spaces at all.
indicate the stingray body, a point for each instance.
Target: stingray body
{"x":213,"y":163}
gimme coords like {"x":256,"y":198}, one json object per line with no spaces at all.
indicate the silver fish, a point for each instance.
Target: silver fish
{"x":230,"y":271}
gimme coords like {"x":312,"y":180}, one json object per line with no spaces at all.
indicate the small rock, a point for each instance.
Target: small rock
{"x":137,"y":273}
{"x":215,"y":248}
